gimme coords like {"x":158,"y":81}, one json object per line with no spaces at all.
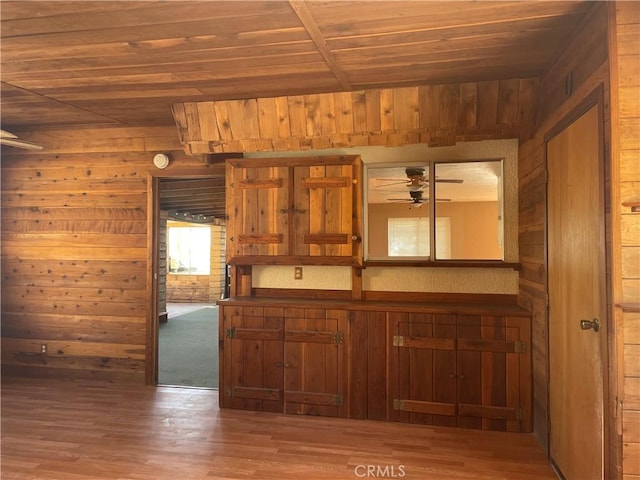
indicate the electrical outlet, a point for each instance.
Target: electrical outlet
{"x":43,"y":348}
{"x":297,"y":273}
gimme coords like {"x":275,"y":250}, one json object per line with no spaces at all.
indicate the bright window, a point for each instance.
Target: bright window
{"x":189,"y":250}
{"x":409,"y":237}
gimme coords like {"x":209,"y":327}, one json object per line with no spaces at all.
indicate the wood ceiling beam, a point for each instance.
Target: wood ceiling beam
{"x":304,"y":14}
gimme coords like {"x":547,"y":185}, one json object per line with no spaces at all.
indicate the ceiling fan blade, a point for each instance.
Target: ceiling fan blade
{"x":5,"y":134}
{"x":449,"y":180}
{"x":399,"y":182}
{"x":11,"y":140}
{"x":14,"y":142}
{"x":422,"y":200}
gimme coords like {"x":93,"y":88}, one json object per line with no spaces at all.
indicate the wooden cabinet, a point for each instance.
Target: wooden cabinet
{"x":251,"y":358}
{"x":283,"y":360}
{"x":294,"y":211}
{"x":469,"y":371}
{"x":449,"y":365}
{"x":423,"y":368}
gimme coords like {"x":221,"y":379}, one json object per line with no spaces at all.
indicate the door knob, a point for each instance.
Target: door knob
{"x":590,"y":324}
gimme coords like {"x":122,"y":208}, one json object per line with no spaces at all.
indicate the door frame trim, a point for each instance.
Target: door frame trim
{"x":153,"y":222}
{"x":593,"y":99}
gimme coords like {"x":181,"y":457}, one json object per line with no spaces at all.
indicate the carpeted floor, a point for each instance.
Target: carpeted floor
{"x":188,"y":349}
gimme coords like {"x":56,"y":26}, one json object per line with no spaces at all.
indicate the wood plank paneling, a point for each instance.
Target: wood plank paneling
{"x":554,"y":104}
{"x":625,"y":149}
{"x":55,"y":72}
{"x":74,"y":253}
{"x":188,"y":288}
{"x":441,"y":114}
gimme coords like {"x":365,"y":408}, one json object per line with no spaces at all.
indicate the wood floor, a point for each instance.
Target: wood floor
{"x":54,"y":429}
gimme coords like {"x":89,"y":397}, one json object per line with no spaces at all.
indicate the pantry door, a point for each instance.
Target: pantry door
{"x":577,"y":297}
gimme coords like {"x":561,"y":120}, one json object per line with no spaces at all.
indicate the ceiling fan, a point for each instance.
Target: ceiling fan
{"x":416,"y":199}
{"x":11,"y":140}
{"x":416,"y":179}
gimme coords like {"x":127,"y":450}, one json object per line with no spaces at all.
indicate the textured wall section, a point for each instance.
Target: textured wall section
{"x":445,"y":280}
{"x":313,"y":277}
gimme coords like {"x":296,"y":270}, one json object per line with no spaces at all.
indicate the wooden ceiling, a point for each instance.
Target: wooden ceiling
{"x":196,"y":200}
{"x":100,"y":63}
{"x":92,"y":63}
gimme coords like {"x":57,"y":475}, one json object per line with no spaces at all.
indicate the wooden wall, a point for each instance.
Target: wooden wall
{"x":74,"y":253}
{"x":625,"y":148}
{"x":585,"y":62}
{"x":188,"y":288}
{"x":433,"y":114}
{"x":218,"y":262}
{"x":162,"y":265}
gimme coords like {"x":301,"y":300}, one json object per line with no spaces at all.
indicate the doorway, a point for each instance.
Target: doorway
{"x":183,"y":333}
{"x":577,"y":294}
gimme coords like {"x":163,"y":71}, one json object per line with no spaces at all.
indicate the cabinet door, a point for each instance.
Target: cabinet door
{"x":258,"y":211}
{"x":426,"y":368}
{"x":315,"y":369}
{"x":252,"y":350}
{"x":324,"y":208}
{"x":491,"y":351}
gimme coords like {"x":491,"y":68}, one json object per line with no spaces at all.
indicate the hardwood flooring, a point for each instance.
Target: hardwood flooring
{"x":55,"y":429}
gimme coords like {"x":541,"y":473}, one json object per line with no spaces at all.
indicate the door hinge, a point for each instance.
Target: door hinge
{"x":231,"y":332}
{"x":519,"y":414}
{"x":398,"y":404}
{"x":520,"y":347}
{"x":338,"y":400}
{"x":338,"y":338}
{"x":398,"y":341}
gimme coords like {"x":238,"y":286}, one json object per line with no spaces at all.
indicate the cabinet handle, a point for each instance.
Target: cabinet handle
{"x":452,"y":375}
{"x":461,"y":377}
{"x":283,"y":210}
{"x":355,"y":238}
{"x":287,"y":364}
{"x":278,"y":364}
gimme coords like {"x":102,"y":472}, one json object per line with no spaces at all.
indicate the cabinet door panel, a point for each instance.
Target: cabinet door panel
{"x":489,"y":374}
{"x":258,"y":212}
{"x":426,"y":365}
{"x":253,"y":358}
{"x":314,"y":362}
{"x":323,"y":199}
{"x":368,"y":356}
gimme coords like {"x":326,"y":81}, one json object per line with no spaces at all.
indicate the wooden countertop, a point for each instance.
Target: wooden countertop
{"x":371,"y":305}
